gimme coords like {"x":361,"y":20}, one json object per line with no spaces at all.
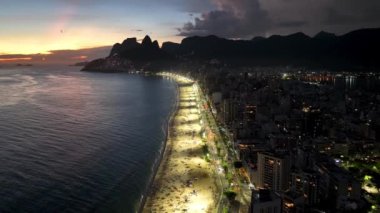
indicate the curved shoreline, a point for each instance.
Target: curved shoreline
{"x":184,"y":180}
{"x":163,"y":152}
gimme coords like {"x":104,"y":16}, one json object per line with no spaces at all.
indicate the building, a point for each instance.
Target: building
{"x":273,"y":171}
{"x":293,"y":202}
{"x":337,"y":186}
{"x":306,"y":183}
{"x":228,"y":110}
{"x":249,"y":114}
{"x":265,"y":201}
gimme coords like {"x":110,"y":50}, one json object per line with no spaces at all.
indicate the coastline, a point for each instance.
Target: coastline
{"x":184,"y":178}
{"x":163,"y":152}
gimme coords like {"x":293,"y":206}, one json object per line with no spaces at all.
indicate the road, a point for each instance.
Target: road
{"x":228,"y":154}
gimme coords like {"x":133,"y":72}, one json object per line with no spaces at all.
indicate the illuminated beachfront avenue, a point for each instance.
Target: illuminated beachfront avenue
{"x":185,"y":180}
{"x":196,"y":171}
{"x":201,"y":106}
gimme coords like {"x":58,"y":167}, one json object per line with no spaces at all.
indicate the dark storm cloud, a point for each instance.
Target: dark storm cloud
{"x":234,"y":19}
{"x":292,"y":24}
{"x":210,"y":23}
{"x":247,"y":18}
{"x":195,"y":6}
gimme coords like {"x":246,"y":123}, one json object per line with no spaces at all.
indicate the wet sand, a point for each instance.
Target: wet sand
{"x":184,"y":181}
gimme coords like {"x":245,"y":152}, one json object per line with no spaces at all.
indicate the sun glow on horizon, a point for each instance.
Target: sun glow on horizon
{"x":66,"y":33}
{"x":74,"y":41}
{"x":81,"y":57}
{"x":45,"y":44}
{"x":15,"y":59}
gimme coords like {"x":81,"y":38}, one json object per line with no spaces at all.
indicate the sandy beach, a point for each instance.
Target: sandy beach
{"x":184,"y":181}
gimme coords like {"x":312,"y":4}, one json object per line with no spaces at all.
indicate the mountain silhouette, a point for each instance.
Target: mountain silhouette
{"x":324,"y":36}
{"x":355,"y":50}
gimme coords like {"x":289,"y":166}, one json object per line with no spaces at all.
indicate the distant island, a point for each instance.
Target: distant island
{"x":356,"y":50}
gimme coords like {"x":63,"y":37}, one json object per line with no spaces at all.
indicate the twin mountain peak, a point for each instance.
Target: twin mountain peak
{"x":352,"y":50}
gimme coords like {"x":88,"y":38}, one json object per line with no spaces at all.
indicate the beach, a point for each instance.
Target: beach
{"x":184,"y":181}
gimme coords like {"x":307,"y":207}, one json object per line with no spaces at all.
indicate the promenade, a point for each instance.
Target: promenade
{"x":185,"y":180}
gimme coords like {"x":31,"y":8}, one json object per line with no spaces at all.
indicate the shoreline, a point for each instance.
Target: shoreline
{"x":184,"y":179}
{"x":163,"y":153}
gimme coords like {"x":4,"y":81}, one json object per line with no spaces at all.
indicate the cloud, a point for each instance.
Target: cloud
{"x":338,"y":16}
{"x":292,"y":24}
{"x":248,"y":18}
{"x":195,"y":6}
{"x":233,"y":19}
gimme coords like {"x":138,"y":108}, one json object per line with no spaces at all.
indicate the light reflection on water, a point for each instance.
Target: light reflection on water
{"x":351,"y":82}
{"x":78,"y":142}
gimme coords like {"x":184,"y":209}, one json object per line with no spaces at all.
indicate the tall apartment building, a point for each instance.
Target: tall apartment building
{"x":273,"y":171}
{"x":307,"y":183}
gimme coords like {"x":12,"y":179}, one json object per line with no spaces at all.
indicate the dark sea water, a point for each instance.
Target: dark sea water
{"x":74,"y":141}
{"x":365,"y":83}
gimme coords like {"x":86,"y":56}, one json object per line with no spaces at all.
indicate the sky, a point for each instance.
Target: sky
{"x":29,"y":27}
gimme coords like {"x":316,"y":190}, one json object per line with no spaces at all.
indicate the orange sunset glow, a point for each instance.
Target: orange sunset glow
{"x":82,"y":57}
{"x":202,"y":106}
{"x":71,"y":26}
{"x":74,"y":39}
{"x":15,"y":59}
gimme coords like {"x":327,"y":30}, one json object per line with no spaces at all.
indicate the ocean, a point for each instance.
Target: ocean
{"x":74,"y":141}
